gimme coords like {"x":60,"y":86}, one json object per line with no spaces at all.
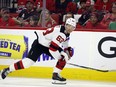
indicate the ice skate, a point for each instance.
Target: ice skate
{"x":57,"y":79}
{"x":4,"y":73}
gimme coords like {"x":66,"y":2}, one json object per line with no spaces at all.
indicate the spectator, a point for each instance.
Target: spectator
{"x":82,"y":7}
{"x":21,"y":5}
{"x":94,"y":22}
{"x":33,"y":22}
{"x":83,"y":4}
{"x":109,"y":17}
{"x":86,"y":15}
{"x":60,"y":8}
{"x":104,"y":5}
{"x":112,"y":25}
{"x":38,"y":4}
{"x":50,"y":5}
{"x":6,"y":20}
{"x":92,"y":1}
{"x":1,"y":11}
{"x":29,"y":11}
{"x":49,"y":21}
{"x":71,"y":7}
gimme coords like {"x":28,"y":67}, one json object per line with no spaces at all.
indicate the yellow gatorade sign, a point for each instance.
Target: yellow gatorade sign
{"x":13,"y":46}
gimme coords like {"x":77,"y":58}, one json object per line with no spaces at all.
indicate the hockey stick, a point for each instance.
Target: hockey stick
{"x":90,"y":68}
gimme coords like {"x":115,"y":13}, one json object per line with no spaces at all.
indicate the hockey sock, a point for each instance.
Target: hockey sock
{"x":22,"y":64}
{"x":61,"y":64}
{"x":18,"y":65}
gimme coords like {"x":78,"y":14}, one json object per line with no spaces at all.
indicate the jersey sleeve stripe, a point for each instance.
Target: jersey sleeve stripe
{"x":53,"y":46}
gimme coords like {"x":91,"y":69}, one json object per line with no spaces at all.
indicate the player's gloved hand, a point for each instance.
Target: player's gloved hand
{"x":65,"y":56}
{"x":69,"y":51}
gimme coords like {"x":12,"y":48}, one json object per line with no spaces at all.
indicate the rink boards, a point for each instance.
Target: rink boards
{"x":69,"y":73}
{"x":91,"y":49}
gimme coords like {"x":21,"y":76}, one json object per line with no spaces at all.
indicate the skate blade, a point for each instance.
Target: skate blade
{"x":59,"y":82}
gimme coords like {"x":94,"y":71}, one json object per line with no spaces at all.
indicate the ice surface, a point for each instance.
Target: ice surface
{"x":37,"y":82}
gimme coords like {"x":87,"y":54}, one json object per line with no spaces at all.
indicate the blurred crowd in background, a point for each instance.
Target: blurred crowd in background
{"x":89,"y":14}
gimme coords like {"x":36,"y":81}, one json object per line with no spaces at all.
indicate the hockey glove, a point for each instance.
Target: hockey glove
{"x":69,"y":51}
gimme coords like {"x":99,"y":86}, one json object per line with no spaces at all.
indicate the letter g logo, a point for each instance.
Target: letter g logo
{"x":113,"y":49}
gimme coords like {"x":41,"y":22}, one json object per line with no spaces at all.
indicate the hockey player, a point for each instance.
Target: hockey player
{"x":53,"y":42}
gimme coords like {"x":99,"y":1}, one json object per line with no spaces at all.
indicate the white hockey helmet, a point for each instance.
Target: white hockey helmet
{"x":71,"y":21}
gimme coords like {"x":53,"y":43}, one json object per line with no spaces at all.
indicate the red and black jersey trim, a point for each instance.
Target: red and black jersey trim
{"x":55,"y":47}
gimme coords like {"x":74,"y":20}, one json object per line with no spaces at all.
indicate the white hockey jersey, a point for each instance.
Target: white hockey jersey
{"x":55,"y":39}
